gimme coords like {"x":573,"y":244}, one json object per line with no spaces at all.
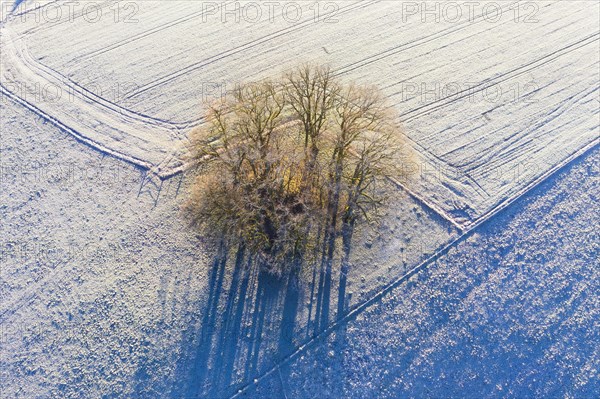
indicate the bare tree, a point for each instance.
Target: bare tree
{"x":292,"y":165}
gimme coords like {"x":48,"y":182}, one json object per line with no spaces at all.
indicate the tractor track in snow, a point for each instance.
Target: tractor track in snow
{"x":340,"y":71}
{"x":48,"y":23}
{"x":143,"y":35}
{"x":251,"y":44}
{"x":426,"y":109}
{"x":149,"y":122}
{"x":82,"y":113}
{"x":406,"y":46}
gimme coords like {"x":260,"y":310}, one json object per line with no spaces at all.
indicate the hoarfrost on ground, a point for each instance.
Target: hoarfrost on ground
{"x":511,"y":311}
{"x":490,"y":104}
{"x":104,"y":289}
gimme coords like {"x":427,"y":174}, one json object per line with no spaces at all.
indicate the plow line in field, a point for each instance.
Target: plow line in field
{"x":530,"y":66}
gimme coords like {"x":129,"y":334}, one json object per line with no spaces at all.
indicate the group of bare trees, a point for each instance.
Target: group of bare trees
{"x":291,"y":165}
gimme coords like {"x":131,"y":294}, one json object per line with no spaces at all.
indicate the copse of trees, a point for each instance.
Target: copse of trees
{"x":291,"y":166}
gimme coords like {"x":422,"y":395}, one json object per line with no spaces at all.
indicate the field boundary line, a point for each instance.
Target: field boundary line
{"x":534,"y":183}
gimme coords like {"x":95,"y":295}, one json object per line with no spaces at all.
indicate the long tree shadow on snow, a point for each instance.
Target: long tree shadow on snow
{"x":250,"y":322}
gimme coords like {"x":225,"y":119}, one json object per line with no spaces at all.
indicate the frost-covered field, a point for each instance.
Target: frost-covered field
{"x":510,"y":311}
{"x":104,"y":288}
{"x":483,"y":95}
{"x":105,"y":291}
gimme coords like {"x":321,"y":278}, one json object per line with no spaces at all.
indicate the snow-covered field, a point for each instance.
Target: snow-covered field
{"x":98,"y":263}
{"x":482,"y":96}
{"x":106,"y":292}
{"x":510,"y":311}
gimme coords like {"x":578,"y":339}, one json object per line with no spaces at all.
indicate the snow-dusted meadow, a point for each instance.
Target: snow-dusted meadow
{"x":510,"y":311}
{"x":106,"y":292}
{"x":482,"y":95}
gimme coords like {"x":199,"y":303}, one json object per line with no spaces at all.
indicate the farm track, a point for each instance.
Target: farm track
{"x":415,"y":113}
{"x":485,"y":164}
{"x":488,"y":83}
{"x":47,"y":23}
{"x":341,"y":71}
{"x":19,"y":14}
{"x":406,"y":46}
{"x":151,"y":133}
{"x":220,"y":56}
{"x":428,"y":205}
{"x":32,"y":293}
{"x":56,"y":79}
{"x":74,"y":87}
{"x":81,"y":138}
{"x":143,"y":35}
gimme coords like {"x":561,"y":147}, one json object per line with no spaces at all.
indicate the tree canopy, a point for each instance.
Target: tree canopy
{"x":291,"y":164}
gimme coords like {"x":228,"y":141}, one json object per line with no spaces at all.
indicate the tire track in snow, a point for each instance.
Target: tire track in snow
{"x":486,"y":164}
{"x":406,"y":46}
{"x":448,"y":100}
{"x":409,"y":272}
{"x":154,"y":141}
{"x":113,"y":107}
{"x":251,"y":44}
{"x":488,"y":83}
{"x":74,"y":87}
{"x":535,"y":64}
{"x":30,"y":10}
{"x":142,"y":35}
{"x":81,"y":138}
{"x":282,"y":32}
{"x":429,"y":108}
{"x":47,"y":22}
{"x":235,"y":50}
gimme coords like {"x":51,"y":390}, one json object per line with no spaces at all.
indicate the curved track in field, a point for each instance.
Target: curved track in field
{"x":146,"y":142}
{"x":159,"y":145}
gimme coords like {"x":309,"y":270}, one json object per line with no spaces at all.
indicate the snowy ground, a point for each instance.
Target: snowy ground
{"x":512,"y":310}
{"x":106,"y":257}
{"x":484,"y":100}
{"x":106,"y":292}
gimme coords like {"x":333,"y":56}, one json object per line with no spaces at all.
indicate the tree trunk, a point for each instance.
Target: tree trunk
{"x":347,"y":232}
